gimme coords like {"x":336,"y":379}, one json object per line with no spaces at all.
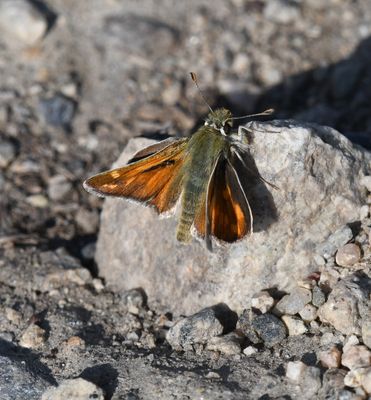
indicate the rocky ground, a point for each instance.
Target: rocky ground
{"x":77,"y":81}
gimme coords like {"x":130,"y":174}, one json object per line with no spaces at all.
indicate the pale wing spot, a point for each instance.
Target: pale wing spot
{"x":115,"y":174}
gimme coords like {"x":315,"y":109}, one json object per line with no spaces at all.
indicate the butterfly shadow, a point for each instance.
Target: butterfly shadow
{"x":258,"y":193}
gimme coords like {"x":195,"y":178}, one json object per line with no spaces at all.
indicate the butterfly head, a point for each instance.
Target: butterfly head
{"x":221,"y":120}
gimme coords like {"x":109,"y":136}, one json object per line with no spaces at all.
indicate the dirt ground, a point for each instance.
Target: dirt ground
{"x":109,"y":70}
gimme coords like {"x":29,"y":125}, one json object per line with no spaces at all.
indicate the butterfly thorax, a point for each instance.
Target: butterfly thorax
{"x":203,"y":150}
{"x":221,"y":120}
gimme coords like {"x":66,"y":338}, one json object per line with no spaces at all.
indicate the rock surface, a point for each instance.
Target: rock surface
{"x":76,"y":389}
{"x":317,"y":171}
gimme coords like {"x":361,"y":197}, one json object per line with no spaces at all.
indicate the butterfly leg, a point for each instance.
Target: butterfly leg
{"x":238,"y":155}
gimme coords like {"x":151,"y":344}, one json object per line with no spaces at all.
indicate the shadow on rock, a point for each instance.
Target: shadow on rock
{"x":27,"y":360}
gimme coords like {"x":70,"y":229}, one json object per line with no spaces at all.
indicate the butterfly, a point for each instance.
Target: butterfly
{"x":199,"y":171}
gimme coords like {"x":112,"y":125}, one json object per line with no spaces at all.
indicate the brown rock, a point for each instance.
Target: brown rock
{"x":348,"y":255}
{"x":330,"y":358}
{"x":356,"y":357}
{"x":32,"y":337}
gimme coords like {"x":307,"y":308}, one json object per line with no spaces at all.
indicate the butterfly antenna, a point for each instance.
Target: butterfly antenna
{"x":194,"y":79}
{"x":266,"y":112}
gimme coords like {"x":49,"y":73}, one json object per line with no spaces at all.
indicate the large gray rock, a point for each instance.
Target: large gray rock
{"x":317,"y":171}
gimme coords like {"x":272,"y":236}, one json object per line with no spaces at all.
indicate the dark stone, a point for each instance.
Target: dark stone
{"x":202,"y":326}
{"x":58,"y":111}
{"x":269,"y":328}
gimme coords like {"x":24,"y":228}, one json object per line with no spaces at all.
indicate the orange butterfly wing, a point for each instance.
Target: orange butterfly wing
{"x":153,"y":178}
{"x":225,"y":212}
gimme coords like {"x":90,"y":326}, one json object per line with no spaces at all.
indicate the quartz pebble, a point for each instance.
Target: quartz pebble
{"x":294,"y":302}
{"x":32,"y":337}
{"x":348,"y":255}
{"x":295,"y":370}
{"x":76,"y":389}
{"x":269,"y":328}
{"x":295,"y":326}
{"x":250,"y":350}
{"x":21,"y":20}
{"x":262,"y":301}
{"x":356,"y":357}
{"x":37,"y":200}
{"x":330,"y":358}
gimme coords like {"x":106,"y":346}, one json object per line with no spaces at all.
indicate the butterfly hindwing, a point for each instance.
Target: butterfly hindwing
{"x":154,"y":179}
{"x":226,"y":212}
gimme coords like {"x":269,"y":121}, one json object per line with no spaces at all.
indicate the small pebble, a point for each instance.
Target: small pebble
{"x":340,"y":237}
{"x":212,"y":375}
{"x":330,"y":358}
{"x":295,"y":326}
{"x":13,"y":316}
{"x":356,"y":357}
{"x":269,"y":328}
{"x":250,"y":350}
{"x":20,"y":19}
{"x":32,"y":337}
{"x":134,"y":297}
{"x":58,"y":111}
{"x":294,"y":302}
{"x":318,"y":297}
{"x":348,"y":255}
{"x":199,"y":328}
{"x":328,"y":338}
{"x":295,"y":370}
{"x":229,"y":344}
{"x":262,"y":301}
{"x":75,"y":341}
{"x":59,"y":186}
{"x":98,"y":285}
{"x":76,"y":389}
{"x":354,"y":377}
{"x":350,"y":341}
{"x":308,"y":313}
{"x":8,"y":152}
{"x":38,"y":201}
{"x":311,"y":382}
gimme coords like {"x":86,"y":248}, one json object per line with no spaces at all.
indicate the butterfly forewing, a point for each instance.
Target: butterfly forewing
{"x":154,"y":179}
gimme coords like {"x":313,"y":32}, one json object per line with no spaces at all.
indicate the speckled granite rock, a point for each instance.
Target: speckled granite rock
{"x":317,"y":171}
